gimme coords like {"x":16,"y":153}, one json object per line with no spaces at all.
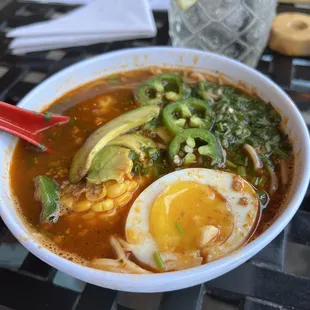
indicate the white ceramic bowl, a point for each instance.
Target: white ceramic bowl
{"x":130,"y":59}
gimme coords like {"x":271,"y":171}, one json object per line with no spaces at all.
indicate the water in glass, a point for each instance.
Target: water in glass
{"x":234,"y":28}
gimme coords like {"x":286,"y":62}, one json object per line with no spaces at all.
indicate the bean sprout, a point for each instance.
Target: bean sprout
{"x":177,"y":261}
{"x":122,"y":264}
{"x":254,"y":156}
{"x":283,"y":171}
{"x":274,"y":184}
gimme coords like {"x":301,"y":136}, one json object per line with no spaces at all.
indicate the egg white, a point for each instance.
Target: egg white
{"x":137,"y":230}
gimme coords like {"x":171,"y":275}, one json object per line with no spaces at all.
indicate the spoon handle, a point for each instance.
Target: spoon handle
{"x":22,"y":133}
{"x":27,"y":124}
{"x":30,"y":121}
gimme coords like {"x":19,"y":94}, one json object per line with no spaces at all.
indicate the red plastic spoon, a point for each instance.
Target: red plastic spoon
{"x":27,"y":124}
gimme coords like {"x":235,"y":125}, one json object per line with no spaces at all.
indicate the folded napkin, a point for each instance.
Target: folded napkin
{"x":98,"y":21}
{"x":161,"y":5}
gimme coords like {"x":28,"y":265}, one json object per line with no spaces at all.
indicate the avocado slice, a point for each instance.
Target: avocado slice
{"x":97,"y":140}
{"x":133,"y":141}
{"x":111,"y":163}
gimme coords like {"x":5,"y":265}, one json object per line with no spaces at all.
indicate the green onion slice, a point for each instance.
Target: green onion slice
{"x":179,"y":228}
{"x":159,"y":261}
{"x":241,"y":171}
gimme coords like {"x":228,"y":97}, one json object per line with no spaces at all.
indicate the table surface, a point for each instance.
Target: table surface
{"x":277,"y":278}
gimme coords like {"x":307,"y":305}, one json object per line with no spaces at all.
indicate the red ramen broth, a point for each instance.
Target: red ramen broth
{"x":89,"y":208}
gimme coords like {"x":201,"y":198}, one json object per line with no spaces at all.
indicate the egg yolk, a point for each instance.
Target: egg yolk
{"x":182,"y":210}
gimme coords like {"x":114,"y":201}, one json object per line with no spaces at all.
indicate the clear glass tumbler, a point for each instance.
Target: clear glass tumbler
{"x":235,"y":28}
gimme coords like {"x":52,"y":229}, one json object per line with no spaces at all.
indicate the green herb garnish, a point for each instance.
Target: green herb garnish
{"x":262,"y":181}
{"x":263,"y":198}
{"x":241,"y":171}
{"x":242,"y":119}
{"x":159,"y":261}
{"x":179,"y":228}
{"x":31,"y":160}
{"x":255,"y":181}
{"x":133,"y":155}
{"x":151,"y":126}
{"x":145,"y":171}
{"x":155,"y":172}
{"x":282,"y":154}
{"x":137,"y":165}
{"x":53,"y":164}
{"x":265,"y":160}
{"x":230,"y":164}
{"x":47,"y":116}
{"x":73,"y":122}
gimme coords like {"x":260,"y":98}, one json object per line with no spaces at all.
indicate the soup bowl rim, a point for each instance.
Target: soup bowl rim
{"x":171,"y":280}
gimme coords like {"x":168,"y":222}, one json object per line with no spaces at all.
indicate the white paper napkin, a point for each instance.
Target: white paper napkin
{"x":98,"y":21}
{"x":161,"y":5}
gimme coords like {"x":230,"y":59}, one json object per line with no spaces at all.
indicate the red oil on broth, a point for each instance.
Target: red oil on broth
{"x":198,"y":124}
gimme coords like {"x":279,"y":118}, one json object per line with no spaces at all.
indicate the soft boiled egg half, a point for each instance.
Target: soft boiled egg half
{"x":190,"y":217}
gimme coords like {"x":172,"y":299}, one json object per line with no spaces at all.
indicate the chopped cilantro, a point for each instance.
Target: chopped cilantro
{"x":263,"y":198}
{"x":242,"y":119}
{"x":151,"y":126}
{"x":145,"y":171}
{"x":73,"y":122}
{"x":265,"y":160}
{"x":31,"y":160}
{"x":47,"y":116}
{"x":133,"y":155}
{"x":53,"y":164}
{"x":179,"y":228}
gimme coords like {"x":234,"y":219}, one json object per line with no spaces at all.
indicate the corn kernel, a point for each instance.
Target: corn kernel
{"x":116,"y":190}
{"x":82,"y":206}
{"x":124,"y":199}
{"x":95,"y":192}
{"x":108,"y":216}
{"x":105,"y":205}
{"x":109,"y":183}
{"x":88,"y":215}
{"x":132,"y":186}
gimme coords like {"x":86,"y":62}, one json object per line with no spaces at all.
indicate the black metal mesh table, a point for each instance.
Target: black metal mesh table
{"x":277,"y":278}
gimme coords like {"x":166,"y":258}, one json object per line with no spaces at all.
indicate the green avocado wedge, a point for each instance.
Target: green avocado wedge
{"x":97,"y":140}
{"x":133,"y":141}
{"x":111,"y":163}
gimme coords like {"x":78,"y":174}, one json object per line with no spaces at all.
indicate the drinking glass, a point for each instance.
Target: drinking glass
{"x":235,"y":28}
